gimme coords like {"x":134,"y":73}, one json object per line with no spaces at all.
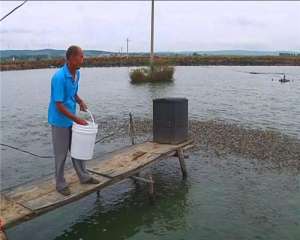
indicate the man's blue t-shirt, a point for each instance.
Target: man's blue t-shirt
{"x":63,"y":89}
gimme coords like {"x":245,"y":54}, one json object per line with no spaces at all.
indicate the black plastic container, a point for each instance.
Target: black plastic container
{"x":170,"y":120}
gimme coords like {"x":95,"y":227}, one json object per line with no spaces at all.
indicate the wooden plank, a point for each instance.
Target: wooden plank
{"x":24,"y":203}
{"x":161,"y":148}
{"x":27,"y":201}
{"x":119,"y":164}
{"x":43,"y":194}
{"x":55,"y":199}
{"x":134,"y":158}
{"x":11,"y":212}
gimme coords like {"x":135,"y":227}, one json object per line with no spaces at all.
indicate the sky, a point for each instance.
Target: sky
{"x":179,"y":25}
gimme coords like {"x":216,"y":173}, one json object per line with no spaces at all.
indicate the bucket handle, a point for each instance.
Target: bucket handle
{"x":91,"y":115}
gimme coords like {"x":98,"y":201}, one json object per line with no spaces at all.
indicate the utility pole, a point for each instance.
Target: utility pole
{"x":127,"y":41}
{"x":152,"y":35}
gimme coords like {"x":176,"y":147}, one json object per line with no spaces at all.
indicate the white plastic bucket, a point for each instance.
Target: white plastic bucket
{"x":83,"y":139}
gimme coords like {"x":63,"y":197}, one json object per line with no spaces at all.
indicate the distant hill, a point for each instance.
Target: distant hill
{"x":45,"y":53}
{"x":231,"y":53}
{"x":55,"y":53}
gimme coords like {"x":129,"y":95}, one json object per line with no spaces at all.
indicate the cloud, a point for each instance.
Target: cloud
{"x":179,"y":25}
{"x":246,"y":22}
{"x":14,"y":31}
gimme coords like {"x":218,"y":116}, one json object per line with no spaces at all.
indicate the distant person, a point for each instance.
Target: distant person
{"x":61,"y":115}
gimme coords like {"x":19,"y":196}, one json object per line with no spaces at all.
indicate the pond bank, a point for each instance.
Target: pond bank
{"x":117,"y":61}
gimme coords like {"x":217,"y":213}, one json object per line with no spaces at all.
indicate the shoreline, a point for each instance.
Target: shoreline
{"x":134,"y":61}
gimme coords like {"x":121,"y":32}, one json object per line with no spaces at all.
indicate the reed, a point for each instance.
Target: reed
{"x":158,"y":72}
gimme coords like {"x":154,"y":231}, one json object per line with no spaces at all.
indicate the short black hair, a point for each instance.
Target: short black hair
{"x":72,"y":50}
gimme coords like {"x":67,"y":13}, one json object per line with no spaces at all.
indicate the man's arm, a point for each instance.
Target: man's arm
{"x":60,"y":106}
{"x":58,"y":94}
{"x":83,"y":106}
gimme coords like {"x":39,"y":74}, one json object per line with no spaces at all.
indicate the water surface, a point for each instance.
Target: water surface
{"x":227,"y":197}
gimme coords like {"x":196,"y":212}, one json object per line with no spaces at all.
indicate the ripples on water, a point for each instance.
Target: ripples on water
{"x":231,"y":196}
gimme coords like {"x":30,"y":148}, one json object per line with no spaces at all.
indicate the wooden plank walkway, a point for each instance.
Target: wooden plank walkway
{"x":27,"y":201}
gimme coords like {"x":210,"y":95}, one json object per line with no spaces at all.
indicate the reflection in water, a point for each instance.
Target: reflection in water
{"x":134,"y":213}
{"x":159,"y":89}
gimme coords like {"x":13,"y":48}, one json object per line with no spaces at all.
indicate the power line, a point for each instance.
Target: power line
{"x":13,"y":10}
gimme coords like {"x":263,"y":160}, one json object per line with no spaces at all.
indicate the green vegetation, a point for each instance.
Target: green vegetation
{"x":118,"y":61}
{"x":159,"y":72}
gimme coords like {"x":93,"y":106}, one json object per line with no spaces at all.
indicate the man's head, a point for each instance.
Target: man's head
{"x":74,"y":56}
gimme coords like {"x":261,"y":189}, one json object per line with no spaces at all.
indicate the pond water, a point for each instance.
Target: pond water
{"x":226,"y":197}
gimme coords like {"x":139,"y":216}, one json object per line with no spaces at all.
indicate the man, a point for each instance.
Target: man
{"x":61,"y":115}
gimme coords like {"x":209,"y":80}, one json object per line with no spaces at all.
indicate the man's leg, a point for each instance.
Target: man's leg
{"x":61,"y":142}
{"x":79,"y":166}
{"x":81,"y":170}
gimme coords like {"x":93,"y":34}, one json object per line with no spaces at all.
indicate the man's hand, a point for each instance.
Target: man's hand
{"x":60,"y":106}
{"x":81,"y":121}
{"x":83,"y":106}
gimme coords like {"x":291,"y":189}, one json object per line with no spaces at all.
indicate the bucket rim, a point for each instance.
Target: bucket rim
{"x":85,"y":130}
{"x":89,"y":126}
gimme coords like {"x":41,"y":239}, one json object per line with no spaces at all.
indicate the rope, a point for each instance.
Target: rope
{"x":12,"y":11}
{"x":109,"y":135}
{"x":41,"y":156}
{"x":24,"y":151}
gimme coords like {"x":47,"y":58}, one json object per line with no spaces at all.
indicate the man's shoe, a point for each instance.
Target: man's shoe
{"x":65,"y":191}
{"x":91,"y":181}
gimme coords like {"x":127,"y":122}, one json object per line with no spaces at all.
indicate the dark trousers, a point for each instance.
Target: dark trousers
{"x":61,"y":138}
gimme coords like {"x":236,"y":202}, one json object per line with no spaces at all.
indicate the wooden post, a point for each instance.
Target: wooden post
{"x":151,"y":188}
{"x":131,"y":129}
{"x":182,"y":163}
{"x":149,"y":181}
{"x":127,"y":40}
{"x":135,"y":178}
{"x":151,"y":185}
{"x":152,"y":35}
{"x":132,"y":134}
